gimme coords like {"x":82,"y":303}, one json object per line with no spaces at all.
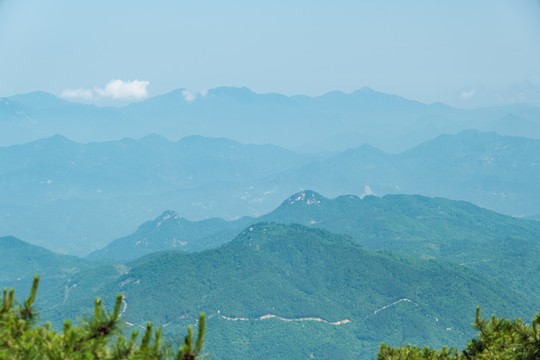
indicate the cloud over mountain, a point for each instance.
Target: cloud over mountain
{"x":115,"y":89}
{"x":119,"y":89}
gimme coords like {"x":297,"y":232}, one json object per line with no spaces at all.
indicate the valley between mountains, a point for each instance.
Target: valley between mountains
{"x":282,"y":278}
{"x":328,"y":226}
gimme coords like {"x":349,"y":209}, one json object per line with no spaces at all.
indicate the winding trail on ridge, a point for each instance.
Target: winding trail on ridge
{"x":272,"y":316}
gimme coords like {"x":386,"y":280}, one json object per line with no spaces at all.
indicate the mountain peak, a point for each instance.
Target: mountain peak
{"x":154,"y":139}
{"x":166,"y":215}
{"x":307,"y":197}
{"x":54,"y":140}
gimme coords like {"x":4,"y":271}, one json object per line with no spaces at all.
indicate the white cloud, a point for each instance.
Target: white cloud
{"x":85,"y":94}
{"x":115,"y":89}
{"x":119,"y":89}
{"x":189,"y":96}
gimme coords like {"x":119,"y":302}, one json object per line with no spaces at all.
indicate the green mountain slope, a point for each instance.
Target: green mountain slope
{"x":500,"y":246}
{"x":20,"y":261}
{"x":306,"y":289}
{"x":170,"y":231}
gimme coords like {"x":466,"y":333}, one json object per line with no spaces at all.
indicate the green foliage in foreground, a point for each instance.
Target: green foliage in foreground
{"x":497,"y":339}
{"x":98,"y":338}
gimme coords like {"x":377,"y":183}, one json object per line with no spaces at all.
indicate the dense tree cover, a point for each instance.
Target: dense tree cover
{"x":497,"y":339}
{"x":296,"y":272}
{"x":292,"y":272}
{"x":96,"y":338}
{"x":502,"y":247}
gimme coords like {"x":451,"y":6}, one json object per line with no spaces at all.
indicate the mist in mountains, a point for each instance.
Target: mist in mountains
{"x":200,"y":202}
{"x":334,"y":121}
{"x":75,"y":198}
{"x":317,"y":177}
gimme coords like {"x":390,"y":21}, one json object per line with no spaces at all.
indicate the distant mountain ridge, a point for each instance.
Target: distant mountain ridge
{"x":389,"y":122}
{"x":488,"y":169}
{"x":117,"y":182}
{"x":89,"y":194}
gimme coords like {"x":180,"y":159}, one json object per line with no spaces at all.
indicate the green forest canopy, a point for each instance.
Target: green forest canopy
{"x":100,"y":338}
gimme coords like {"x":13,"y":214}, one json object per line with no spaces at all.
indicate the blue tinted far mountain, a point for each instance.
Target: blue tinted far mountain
{"x":75,"y":198}
{"x":334,"y":121}
{"x":318,"y":177}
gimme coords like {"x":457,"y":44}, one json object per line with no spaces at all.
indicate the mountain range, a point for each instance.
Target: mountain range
{"x":296,"y":284}
{"x":334,"y":121}
{"x":499,"y":246}
{"x":430,"y":225}
{"x":76,"y":198}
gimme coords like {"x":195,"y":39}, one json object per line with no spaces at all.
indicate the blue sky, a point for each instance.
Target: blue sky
{"x":461,"y":52}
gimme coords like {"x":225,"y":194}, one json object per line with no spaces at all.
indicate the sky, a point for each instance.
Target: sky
{"x":460,"y":52}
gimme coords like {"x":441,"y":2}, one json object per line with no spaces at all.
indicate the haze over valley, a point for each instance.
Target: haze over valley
{"x":317,"y":178}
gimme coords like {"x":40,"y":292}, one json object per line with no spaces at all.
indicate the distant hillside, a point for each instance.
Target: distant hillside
{"x":20,"y":261}
{"x":76,"y":198}
{"x":492,"y":171}
{"x":311,"y":291}
{"x":170,"y":231}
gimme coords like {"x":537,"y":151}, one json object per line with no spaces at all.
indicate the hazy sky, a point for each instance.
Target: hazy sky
{"x":461,"y":52}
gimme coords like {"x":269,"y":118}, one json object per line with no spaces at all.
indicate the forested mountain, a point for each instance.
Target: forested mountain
{"x":170,"y":231}
{"x":500,"y":246}
{"x":255,"y":207}
{"x":20,"y":261}
{"x":76,"y":198}
{"x":311,"y":291}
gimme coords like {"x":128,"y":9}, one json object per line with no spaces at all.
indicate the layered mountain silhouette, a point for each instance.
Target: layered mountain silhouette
{"x":325,"y":122}
{"x":320,"y":288}
{"x":501,"y":246}
{"x":76,"y":198}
